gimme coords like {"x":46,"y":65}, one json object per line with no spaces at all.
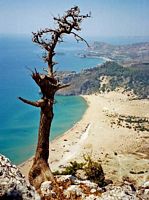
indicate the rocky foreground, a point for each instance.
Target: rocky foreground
{"x":14,"y":186}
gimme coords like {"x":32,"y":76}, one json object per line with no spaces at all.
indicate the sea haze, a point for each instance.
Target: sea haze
{"x":19,"y":122}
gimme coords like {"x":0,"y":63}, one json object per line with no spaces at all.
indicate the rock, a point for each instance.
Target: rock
{"x":92,"y":197}
{"x":73,"y":190}
{"x":80,"y":174}
{"x":88,"y":183}
{"x":146,"y":184}
{"x":143,"y":192}
{"x":46,"y":188}
{"x":93,"y":190}
{"x":66,"y":178}
{"x":116,"y":192}
{"x":108,"y":181}
{"x":13,"y":184}
{"x":67,"y":150}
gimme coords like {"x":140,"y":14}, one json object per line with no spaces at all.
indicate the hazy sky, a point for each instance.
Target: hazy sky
{"x":109,"y":17}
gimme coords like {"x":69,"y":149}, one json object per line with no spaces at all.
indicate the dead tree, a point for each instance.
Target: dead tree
{"x":48,"y":83}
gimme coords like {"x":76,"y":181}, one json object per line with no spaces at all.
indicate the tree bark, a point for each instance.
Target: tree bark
{"x":49,"y":84}
{"x":40,"y":170}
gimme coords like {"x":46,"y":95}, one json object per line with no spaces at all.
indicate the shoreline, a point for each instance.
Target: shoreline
{"x":104,"y":59}
{"x":26,"y":165}
{"x":52,"y":142}
{"x":58,"y":136}
{"x":121,"y":150}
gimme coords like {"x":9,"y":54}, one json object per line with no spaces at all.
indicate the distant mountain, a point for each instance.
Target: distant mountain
{"x":109,"y":76}
{"x":122,"y":54}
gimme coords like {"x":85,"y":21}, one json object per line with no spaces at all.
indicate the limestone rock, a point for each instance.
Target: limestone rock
{"x":13,"y":184}
{"x":80,"y":174}
{"x":66,"y":178}
{"x":46,"y":188}
{"x":119,"y":192}
{"x":146,"y":184}
{"x":92,"y":197}
{"x":73,"y":190}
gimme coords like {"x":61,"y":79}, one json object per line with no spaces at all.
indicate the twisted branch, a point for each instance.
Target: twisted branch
{"x":48,"y":39}
{"x":79,"y":38}
{"x":38,"y":103}
{"x":65,"y":25}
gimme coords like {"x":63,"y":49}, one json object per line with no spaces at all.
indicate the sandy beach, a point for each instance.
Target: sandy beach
{"x":123,"y":151}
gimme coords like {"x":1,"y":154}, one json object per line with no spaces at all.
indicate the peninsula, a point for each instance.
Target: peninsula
{"x":123,"y":54}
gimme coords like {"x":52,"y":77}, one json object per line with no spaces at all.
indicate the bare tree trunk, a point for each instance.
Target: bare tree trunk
{"x":40,"y":170}
{"x":49,"y":84}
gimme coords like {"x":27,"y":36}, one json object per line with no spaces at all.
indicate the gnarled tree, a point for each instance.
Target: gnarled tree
{"x":48,"y":83}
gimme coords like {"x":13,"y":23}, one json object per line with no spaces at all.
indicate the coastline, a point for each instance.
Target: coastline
{"x":120,"y":149}
{"x":24,"y":165}
{"x":105,"y":59}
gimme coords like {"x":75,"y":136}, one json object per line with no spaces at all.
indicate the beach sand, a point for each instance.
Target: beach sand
{"x":123,"y":152}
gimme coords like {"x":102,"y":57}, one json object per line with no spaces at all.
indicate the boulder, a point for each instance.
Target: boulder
{"x":13,"y":184}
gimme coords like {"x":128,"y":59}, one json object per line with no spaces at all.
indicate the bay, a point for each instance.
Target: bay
{"x":19,"y":122}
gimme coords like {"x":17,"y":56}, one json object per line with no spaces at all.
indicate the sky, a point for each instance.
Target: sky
{"x":109,"y":17}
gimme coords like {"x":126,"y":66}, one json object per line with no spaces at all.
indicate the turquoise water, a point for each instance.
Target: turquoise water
{"x":18,"y":121}
{"x":19,"y":133}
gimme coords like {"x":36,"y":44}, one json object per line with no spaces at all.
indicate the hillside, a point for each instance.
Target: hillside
{"x":123,"y":54}
{"x":109,"y":76}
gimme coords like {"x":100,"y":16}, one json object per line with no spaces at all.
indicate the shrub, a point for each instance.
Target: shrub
{"x":93,"y":170}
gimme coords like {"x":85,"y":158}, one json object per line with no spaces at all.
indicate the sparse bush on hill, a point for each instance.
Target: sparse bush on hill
{"x":92,"y":170}
{"x":133,"y":78}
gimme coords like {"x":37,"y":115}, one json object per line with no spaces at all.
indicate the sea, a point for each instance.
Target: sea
{"x":18,"y":121}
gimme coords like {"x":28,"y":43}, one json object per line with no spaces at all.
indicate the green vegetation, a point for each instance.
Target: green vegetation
{"x":134,"y":78}
{"x":132,"y":122}
{"x":130,"y":78}
{"x":92,"y":170}
{"x":71,"y":169}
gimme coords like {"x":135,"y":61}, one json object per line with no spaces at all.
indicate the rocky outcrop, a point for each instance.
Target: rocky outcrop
{"x":70,"y":188}
{"x":73,"y":188}
{"x":13,"y":185}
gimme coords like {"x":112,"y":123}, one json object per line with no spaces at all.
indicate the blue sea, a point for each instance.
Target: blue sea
{"x":18,"y":121}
